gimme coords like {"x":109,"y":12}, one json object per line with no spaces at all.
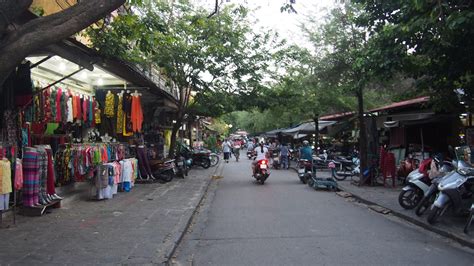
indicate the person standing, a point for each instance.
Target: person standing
{"x":226,"y":149}
{"x":284,"y":152}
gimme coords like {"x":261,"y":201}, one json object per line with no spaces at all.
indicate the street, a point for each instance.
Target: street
{"x":286,"y":223}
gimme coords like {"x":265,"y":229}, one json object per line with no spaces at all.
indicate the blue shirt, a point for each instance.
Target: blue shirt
{"x":306,"y":153}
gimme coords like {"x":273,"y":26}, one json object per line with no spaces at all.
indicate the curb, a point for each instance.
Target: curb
{"x":183,"y":226}
{"x":414,"y":221}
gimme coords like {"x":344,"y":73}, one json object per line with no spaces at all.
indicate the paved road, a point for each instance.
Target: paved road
{"x":286,"y":223}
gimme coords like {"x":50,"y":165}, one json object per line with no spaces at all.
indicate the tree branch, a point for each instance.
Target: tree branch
{"x":216,"y":8}
{"x":9,"y":10}
{"x":43,"y":31}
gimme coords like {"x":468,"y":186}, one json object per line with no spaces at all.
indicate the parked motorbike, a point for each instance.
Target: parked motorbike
{"x":164,"y":170}
{"x":200,"y":157}
{"x":322,"y":160}
{"x":276,"y":160}
{"x":452,"y":191}
{"x":430,"y":195}
{"x":344,"y":167}
{"x":305,"y":170}
{"x":418,"y":183}
{"x":183,"y":165}
{"x":261,"y":172}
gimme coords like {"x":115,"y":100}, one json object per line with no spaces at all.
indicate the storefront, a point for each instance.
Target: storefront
{"x":71,"y":117}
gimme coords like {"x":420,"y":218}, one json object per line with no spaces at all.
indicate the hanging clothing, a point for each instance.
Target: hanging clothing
{"x":85,"y":108}
{"x":109,"y":104}
{"x":97,"y":116}
{"x":50,"y":189}
{"x":31,"y":177}
{"x":5,"y":176}
{"x":18,"y":174}
{"x":137,"y":114}
{"x":70,"y":110}
{"x":120,"y":115}
{"x":59,"y":95}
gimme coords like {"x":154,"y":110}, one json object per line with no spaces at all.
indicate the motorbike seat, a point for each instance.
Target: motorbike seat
{"x":345,"y":161}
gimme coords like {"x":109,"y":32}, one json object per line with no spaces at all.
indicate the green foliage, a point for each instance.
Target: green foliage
{"x":431,"y":41}
{"x":218,"y":57}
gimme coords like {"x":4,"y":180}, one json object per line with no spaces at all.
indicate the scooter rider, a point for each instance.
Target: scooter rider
{"x":262,"y":154}
{"x":306,"y":151}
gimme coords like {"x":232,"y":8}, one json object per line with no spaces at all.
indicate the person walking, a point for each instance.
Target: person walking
{"x":226,"y":149}
{"x":284,"y":152}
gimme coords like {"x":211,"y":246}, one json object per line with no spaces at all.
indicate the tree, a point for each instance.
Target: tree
{"x":218,"y":55}
{"x":17,"y":41}
{"x":345,"y":58}
{"x":431,"y":41}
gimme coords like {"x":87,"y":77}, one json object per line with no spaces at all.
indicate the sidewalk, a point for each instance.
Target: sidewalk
{"x":139,"y":227}
{"x":448,"y":226}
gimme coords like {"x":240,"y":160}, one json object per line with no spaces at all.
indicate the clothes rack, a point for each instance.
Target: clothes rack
{"x":4,"y":146}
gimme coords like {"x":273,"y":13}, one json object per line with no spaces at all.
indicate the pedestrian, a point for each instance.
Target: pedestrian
{"x":226,"y":149}
{"x":284,"y":152}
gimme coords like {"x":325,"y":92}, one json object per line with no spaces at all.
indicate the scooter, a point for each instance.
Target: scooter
{"x":261,"y":172}
{"x":276,"y":160}
{"x":452,"y":190}
{"x":345,"y":167}
{"x":305,"y":170}
{"x":418,"y":183}
{"x":430,"y":195}
{"x":251,"y":154}
{"x":164,"y":170}
{"x":183,"y":165}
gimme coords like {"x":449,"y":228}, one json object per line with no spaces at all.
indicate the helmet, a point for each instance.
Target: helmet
{"x":305,"y":142}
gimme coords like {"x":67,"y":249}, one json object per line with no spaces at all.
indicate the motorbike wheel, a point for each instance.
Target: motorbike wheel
{"x":310,"y":182}
{"x":435,"y":213}
{"x":214,"y":159}
{"x":337,"y":176}
{"x":186,"y":170}
{"x":468,"y":223}
{"x":423,"y":205}
{"x":302,"y":179}
{"x":409,"y":199}
{"x":167,"y":176}
{"x":206,"y":164}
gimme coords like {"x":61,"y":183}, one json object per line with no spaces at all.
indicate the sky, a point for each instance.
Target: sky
{"x":287,"y":25}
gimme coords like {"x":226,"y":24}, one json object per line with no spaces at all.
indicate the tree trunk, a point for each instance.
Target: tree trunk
{"x":22,"y":40}
{"x":316,"y":133}
{"x":362,"y":134}
{"x":174,"y":137}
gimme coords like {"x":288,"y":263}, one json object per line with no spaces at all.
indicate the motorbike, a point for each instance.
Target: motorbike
{"x":430,"y":195}
{"x":183,"y":165}
{"x":251,"y":154}
{"x":201,"y":157}
{"x":452,"y":191}
{"x":305,"y":170}
{"x":261,"y":172}
{"x":164,"y":170}
{"x":276,"y":160}
{"x":343,"y":167}
{"x":418,"y":183}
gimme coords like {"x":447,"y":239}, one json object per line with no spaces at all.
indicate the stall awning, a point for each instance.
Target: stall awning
{"x":308,"y":128}
{"x":409,"y":119}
